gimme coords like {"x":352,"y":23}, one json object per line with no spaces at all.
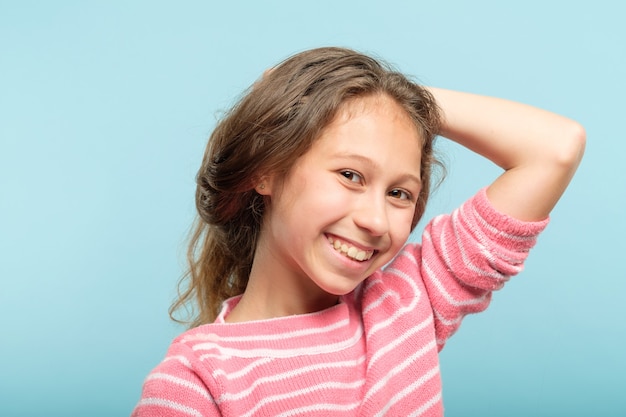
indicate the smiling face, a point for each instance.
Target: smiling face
{"x":345,"y":208}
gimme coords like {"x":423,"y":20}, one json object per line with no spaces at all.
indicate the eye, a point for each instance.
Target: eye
{"x":352,"y":176}
{"x":400,"y":194}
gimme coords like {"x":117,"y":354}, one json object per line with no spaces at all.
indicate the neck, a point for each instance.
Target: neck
{"x":251,"y":307}
{"x":269,"y":295}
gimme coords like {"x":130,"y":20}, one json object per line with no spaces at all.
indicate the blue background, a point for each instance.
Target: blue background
{"x":105,"y":108}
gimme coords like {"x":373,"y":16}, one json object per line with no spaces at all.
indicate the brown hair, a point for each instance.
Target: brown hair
{"x":266,"y":132}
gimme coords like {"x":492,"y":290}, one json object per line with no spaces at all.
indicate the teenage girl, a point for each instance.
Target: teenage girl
{"x":308,"y":187}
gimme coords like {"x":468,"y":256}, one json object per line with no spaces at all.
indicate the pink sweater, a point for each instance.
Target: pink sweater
{"x":373,"y":354}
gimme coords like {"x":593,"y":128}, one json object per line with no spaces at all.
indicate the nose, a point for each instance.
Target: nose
{"x":370,"y":214}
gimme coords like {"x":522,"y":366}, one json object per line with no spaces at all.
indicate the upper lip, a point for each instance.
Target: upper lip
{"x":366,"y":248}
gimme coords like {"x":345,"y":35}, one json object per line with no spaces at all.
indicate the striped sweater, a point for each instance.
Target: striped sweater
{"x":373,"y":354}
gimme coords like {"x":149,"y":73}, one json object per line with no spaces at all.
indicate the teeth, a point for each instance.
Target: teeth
{"x":351,"y":251}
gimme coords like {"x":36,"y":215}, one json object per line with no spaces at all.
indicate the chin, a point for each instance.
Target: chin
{"x":339,"y":290}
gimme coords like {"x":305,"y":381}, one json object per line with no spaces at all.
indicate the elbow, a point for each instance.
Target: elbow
{"x":578,"y":139}
{"x":572,"y":145}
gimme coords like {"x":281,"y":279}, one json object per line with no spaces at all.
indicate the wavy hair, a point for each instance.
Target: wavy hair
{"x":270,"y":127}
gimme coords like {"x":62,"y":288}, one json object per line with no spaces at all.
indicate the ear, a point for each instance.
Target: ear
{"x":265,"y":185}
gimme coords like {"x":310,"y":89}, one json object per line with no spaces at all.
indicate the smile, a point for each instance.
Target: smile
{"x":350,"y":251}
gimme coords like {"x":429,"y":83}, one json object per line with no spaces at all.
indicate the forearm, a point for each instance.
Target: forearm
{"x":538,"y":150}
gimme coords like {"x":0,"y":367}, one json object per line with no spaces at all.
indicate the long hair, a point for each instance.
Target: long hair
{"x":272,"y":125}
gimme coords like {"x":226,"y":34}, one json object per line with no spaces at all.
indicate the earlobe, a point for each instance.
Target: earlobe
{"x":263,"y":186}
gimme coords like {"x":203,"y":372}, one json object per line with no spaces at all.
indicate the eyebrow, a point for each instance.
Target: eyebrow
{"x":373,"y":164}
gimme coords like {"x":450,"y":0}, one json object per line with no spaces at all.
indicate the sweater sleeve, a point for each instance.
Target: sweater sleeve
{"x":468,"y":254}
{"x":175,"y":388}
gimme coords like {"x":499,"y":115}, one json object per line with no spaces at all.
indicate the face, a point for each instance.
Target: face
{"x":345,"y":208}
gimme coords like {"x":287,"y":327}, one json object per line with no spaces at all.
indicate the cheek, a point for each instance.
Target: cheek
{"x":317,"y":192}
{"x":401,"y":229}
{"x":299,"y":200}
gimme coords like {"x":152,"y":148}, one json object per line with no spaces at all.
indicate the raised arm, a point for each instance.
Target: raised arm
{"x":538,"y":150}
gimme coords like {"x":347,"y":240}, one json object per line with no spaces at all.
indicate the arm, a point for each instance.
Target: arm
{"x":538,"y":150}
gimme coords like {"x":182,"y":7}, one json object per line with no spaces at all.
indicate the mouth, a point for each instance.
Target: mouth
{"x":350,"y":251}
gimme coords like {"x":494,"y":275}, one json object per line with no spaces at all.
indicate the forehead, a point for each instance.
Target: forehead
{"x":374,"y":115}
{"x":380,"y":103}
{"x":376,"y":128}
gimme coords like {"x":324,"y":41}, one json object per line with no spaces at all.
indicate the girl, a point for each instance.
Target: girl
{"x":308,"y":187}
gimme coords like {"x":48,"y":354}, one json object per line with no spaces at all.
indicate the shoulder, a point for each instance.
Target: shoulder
{"x":182,"y":357}
{"x":179,"y":385}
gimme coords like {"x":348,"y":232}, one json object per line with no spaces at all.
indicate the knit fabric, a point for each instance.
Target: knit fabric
{"x":373,"y":354}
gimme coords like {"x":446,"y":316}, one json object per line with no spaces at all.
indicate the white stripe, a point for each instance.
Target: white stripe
{"x":442,"y":290}
{"x":436,"y":399}
{"x":463,"y":253}
{"x":403,"y":310}
{"x":379,"y":301}
{"x":372,"y":282}
{"x":387,"y":293}
{"x":409,"y":389}
{"x":182,"y":382}
{"x":410,"y":255}
{"x":287,"y":375}
{"x":212,"y":337}
{"x":283,"y":353}
{"x":486,"y":242}
{"x":332,"y":385}
{"x":437,"y":219}
{"x":160,"y":402}
{"x":400,"y":367}
{"x":319,"y":407}
{"x":397,"y":341}
{"x":445,"y":321}
{"x":490,"y":254}
{"x":216,"y":356}
{"x":180,"y":358}
{"x":486,"y":225}
{"x":243,"y":371}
